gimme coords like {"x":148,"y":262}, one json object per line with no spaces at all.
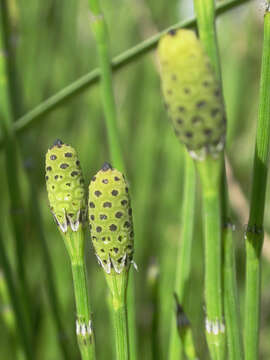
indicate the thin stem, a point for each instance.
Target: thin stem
{"x":53,"y":295}
{"x":80,"y":85}
{"x":254,"y":234}
{"x":209,"y":170}
{"x":118,"y":288}
{"x":120,"y":329}
{"x":22,"y":325}
{"x":18,"y":217}
{"x":153,"y":282}
{"x":100,"y":30}
{"x":84,"y":326}
{"x":184,"y":251}
{"x":205,"y":11}
{"x":206,"y":24}
{"x":13,"y":97}
{"x":84,"y":330}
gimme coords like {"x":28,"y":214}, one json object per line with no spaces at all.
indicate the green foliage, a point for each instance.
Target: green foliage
{"x":53,"y":47}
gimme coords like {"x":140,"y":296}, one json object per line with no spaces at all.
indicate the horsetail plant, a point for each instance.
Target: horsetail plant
{"x":255,"y":232}
{"x":66,"y":192}
{"x":100,"y":30}
{"x":206,"y":13}
{"x":111,"y":225}
{"x":194,"y":103}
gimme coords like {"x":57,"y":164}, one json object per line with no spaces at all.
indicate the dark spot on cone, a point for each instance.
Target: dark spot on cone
{"x":172,"y":32}
{"x":106,"y":166}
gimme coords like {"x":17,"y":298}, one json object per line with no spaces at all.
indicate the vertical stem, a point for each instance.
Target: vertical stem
{"x":100,"y":30}
{"x":118,"y":288}
{"x":206,"y":22}
{"x":205,"y":11}
{"x":12,"y":166}
{"x":120,"y":329}
{"x":183,"y":261}
{"x":22,"y":325}
{"x":53,"y":296}
{"x":210,"y":173}
{"x":14,"y":106}
{"x":85,"y":341}
{"x":84,"y":330}
{"x":254,"y":234}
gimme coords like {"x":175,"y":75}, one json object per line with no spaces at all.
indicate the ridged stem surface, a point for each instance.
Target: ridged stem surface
{"x":209,"y":170}
{"x":84,"y":330}
{"x":118,"y":288}
{"x":254,"y":234}
{"x":206,"y":24}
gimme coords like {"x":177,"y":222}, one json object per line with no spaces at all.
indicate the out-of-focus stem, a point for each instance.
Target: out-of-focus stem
{"x":183,"y":263}
{"x":255,"y":234}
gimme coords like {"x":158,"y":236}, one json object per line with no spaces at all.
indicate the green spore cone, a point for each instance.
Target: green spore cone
{"x":110,"y":218}
{"x":192,"y":93}
{"x":65,"y":187}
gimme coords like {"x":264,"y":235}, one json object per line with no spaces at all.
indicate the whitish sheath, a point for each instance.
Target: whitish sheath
{"x":65,"y":187}
{"x":255,"y":232}
{"x":111,"y":226}
{"x":194,"y":103}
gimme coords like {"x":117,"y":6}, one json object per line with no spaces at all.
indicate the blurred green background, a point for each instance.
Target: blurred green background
{"x":53,"y":46}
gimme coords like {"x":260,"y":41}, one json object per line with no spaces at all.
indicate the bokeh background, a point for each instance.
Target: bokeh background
{"x":53,"y":45}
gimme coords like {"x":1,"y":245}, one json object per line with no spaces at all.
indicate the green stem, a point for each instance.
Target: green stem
{"x":53,"y":295}
{"x":100,"y":30}
{"x":13,"y":97}
{"x":205,"y":11}
{"x":206,"y":23}
{"x":254,"y":234}
{"x":153,"y":285}
{"x":183,"y":262}
{"x":22,"y":325}
{"x":84,"y":325}
{"x":84,"y":329}
{"x":80,"y":85}
{"x":18,"y":216}
{"x":118,"y":287}
{"x":209,"y":170}
{"x":120,"y":330}
{"x":231,"y":302}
